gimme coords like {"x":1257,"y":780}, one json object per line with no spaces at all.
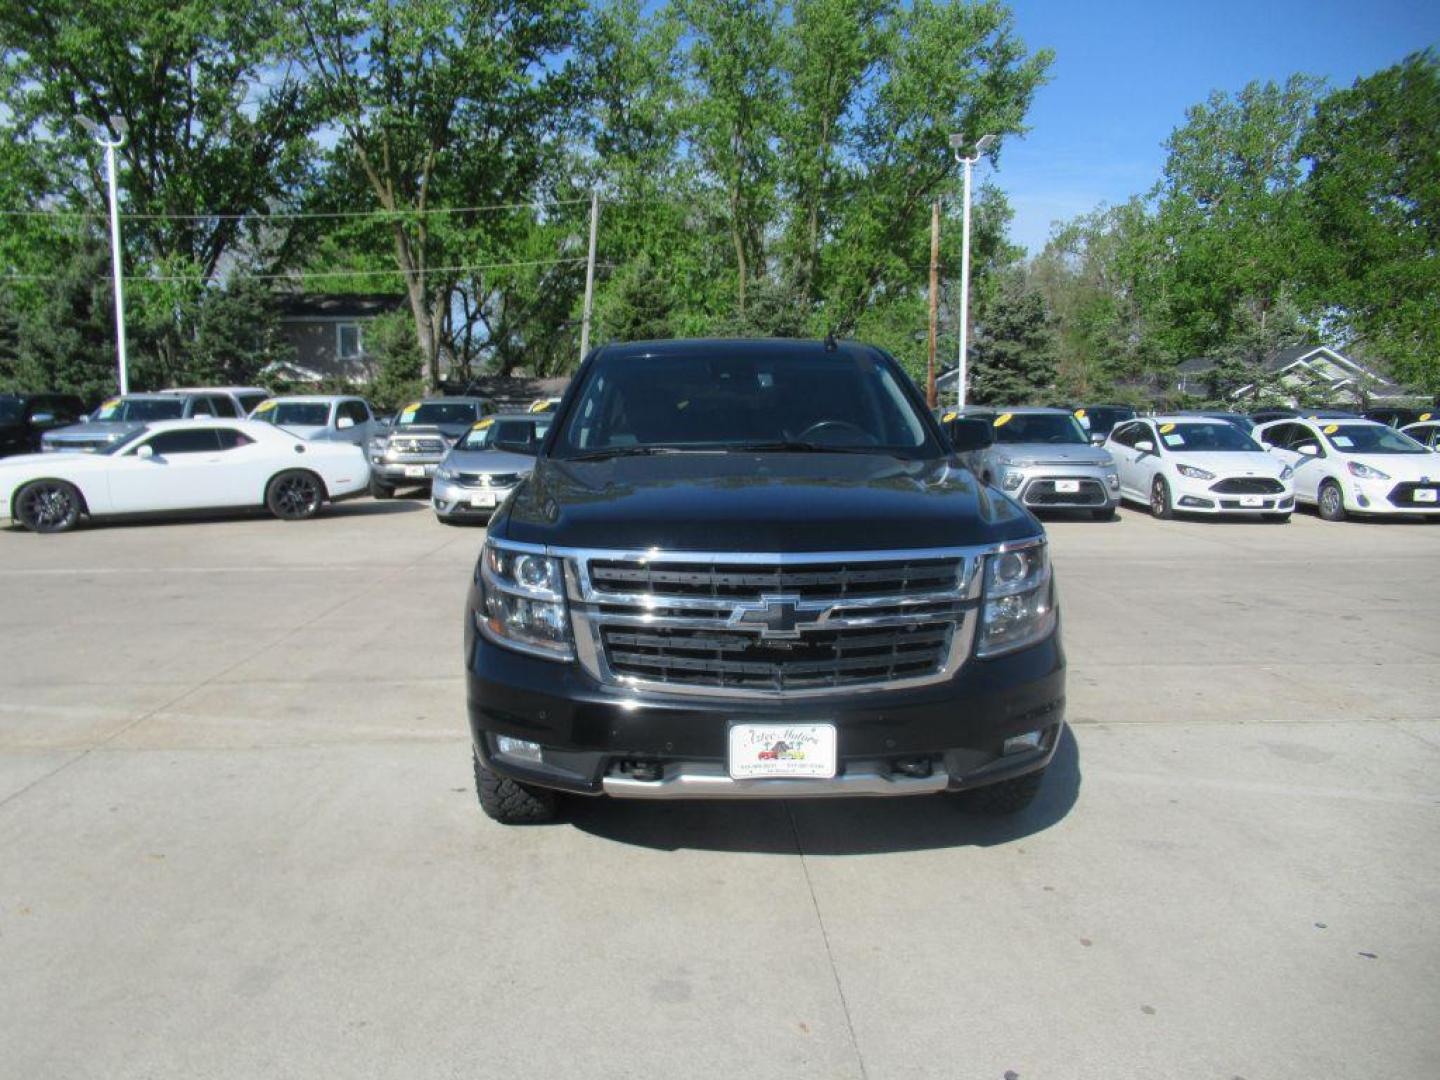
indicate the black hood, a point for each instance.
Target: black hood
{"x":759,"y":502}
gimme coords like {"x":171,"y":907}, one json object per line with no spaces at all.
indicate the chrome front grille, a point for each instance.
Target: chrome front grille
{"x":777,"y":625}
{"x":417,"y":446}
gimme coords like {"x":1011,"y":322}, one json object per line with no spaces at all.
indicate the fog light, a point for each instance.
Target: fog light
{"x":518,"y":748}
{"x":1022,"y":744}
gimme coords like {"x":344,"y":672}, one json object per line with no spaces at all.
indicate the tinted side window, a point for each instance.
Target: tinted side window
{"x":1303,"y":436}
{"x":230,"y":439}
{"x":355,"y":410}
{"x":1125,"y":434}
{"x":1279,"y":435}
{"x":221,"y":405}
{"x":190,"y":441}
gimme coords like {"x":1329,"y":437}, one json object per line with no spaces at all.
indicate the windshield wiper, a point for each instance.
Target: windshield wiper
{"x":793,"y":446}
{"x":628,"y":451}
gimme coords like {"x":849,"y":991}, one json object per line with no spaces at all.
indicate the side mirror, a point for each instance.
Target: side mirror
{"x":967,"y":435}
{"x":147,"y":452}
{"x":1097,"y":438}
{"x":345,"y":423}
{"x":1145,"y":446}
{"x":1309,"y":449}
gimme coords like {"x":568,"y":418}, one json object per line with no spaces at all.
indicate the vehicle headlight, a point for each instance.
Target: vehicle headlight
{"x":1365,"y":472}
{"x":1286,"y":473}
{"x":443,"y":473}
{"x":524,"y":603}
{"x":1011,"y":480}
{"x":1194,"y":473}
{"x":1019,"y":605}
{"x":1113,"y":479}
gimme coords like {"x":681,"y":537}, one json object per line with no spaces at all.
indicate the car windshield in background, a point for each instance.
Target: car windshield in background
{"x":1218,"y":435}
{"x":142,"y":409}
{"x":1049,"y":428}
{"x":504,"y":435}
{"x":10,"y":410}
{"x":299,"y":413}
{"x":437,"y":412}
{"x":1102,"y":419}
{"x":834,"y":402}
{"x":1370,"y":439}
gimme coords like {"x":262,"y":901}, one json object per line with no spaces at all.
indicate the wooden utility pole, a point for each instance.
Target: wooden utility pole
{"x":931,"y":399}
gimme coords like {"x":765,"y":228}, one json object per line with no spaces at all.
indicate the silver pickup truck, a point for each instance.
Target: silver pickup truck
{"x":422,"y":433}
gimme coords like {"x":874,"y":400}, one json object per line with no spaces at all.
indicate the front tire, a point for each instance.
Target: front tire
{"x":1160,"y":506}
{"x":49,"y":506}
{"x":295,"y":495}
{"x":1006,"y":797}
{"x":1330,"y":502}
{"x":380,"y":491}
{"x":510,"y":802}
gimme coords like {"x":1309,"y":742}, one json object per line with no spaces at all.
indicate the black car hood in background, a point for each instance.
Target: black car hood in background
{"x":759,"y":502}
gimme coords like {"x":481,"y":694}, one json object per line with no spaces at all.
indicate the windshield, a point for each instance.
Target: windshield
{"x":1102,"y":418}
{"x":1049,"y":428}
{"x":11,"y":409}
{"x":836,"y":401}
{"x":436,"y":412}
{"x":520,"y":436}
{"x":298,"y":413}
{"x":1212,"y":436}
{"x":117,"y":410}
{"x":1370,"y":439}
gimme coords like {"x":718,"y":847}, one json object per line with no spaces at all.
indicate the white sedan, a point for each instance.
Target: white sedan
{"x":1355,"y":467}
{"x":178,"y":465}
{"x":1198,"y":465}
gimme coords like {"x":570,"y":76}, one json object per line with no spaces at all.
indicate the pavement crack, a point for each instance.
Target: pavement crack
{"x":825,"y":937}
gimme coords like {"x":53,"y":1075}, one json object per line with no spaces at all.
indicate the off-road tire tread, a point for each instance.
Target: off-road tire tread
{"x":510,"y":802}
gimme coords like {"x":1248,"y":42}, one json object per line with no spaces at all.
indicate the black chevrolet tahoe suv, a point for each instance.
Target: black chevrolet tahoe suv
{"x":757,"y":568}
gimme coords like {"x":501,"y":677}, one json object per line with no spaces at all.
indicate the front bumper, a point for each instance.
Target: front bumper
{"x":600,"y":739}
{"x":451,"y":499}
{"x":401,"y":471}
{"x":1041,"y":487}
{"x":1190,"y":496}
{"x":1389,"y":497}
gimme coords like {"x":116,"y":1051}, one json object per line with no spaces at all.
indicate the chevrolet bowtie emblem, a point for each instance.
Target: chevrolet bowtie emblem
{"x":775,"y":617}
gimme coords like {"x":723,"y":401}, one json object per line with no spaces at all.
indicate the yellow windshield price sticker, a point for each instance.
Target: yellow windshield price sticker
{"x":110,"y":404}
{"x":1079,"y":414}
{"x":1330,"y":429}
{"x":1003,"y":419}
{"x":266,"y":406}
{"x":408,"y":413}
{"x":1425,"y":416}
{"x":1165,"y":429}
{"x":952,"y":415}
{"x":539,"y":406}
{"x":481,"y":425}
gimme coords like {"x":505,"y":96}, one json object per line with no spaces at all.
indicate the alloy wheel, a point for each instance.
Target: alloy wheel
{"x":48,"y":506}
{"x":296,"y":496}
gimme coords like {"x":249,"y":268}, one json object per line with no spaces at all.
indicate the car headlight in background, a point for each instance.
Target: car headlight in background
{"x":443,"y":473}
{"x":1194,"y":473}
{"x":524,"y":602}
{"x":1011,"y":480}
{"x":1365,"y":472}
{"x":1286,"y":473}
{"x":1113,"y":479}
{"x":1019,"y":606}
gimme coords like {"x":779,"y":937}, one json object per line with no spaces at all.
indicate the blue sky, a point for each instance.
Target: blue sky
{"x":1126,"y":70}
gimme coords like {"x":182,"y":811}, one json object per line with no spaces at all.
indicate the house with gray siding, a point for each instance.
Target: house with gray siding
{"x":328,"y":332}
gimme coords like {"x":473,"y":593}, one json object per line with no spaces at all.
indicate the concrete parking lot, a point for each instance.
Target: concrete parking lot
{"x":238,"y":836}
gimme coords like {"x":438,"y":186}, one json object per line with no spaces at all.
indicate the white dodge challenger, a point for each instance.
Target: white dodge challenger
{"x":180,"y":465}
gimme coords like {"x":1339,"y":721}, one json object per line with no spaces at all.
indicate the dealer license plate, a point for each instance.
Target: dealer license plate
{"x":414,"y":470}
{"x":1251,"y":500}
{"x":1425,"y":495}
{"x":482,"y":498}
{"x":1067,"y":487}
{"x":761,"y":750}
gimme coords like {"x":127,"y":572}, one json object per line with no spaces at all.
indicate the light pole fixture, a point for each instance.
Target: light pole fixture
{"x":116,"y":130}
{"x":957,"y":145}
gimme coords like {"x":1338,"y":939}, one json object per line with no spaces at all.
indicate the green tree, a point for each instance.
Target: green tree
{"x":440,"y":103}
{"x":1229,"y":225}
{"x":399,"y":364}
{"x":638,"y":308}
{"x":237,"y":334}
{"x":66,"y":341}
{"x":1373,"y":198}
{"x":1013,"y":355}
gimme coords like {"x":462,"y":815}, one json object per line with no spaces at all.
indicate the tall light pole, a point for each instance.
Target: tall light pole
{"x":957,"y":144}
{"x":118,"y":129}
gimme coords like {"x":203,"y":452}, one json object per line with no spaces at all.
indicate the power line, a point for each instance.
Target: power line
{"x":295,"y":274}
{"x":295,"y":215}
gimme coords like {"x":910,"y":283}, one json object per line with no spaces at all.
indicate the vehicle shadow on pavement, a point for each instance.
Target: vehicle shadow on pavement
{"x":365,"y":508}
{"x":829,"y":826}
